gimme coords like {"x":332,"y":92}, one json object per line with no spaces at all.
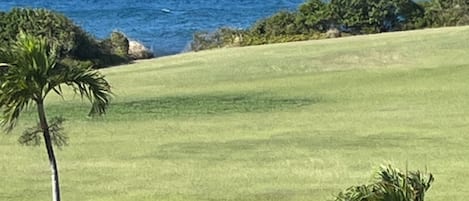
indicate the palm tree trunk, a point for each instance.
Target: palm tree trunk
{"x":50,"y":151}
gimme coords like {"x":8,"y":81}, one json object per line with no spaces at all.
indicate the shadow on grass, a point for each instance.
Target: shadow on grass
{"x":277,"y":147}
{"x":191,"y":106}
{"x":178,"y":107}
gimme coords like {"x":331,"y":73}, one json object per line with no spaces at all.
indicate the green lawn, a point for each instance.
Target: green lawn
{"x":296,"y":121}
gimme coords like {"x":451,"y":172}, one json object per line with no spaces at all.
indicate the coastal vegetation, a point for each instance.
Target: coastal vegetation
{"x":318,"y":19}
{"x":74,"y":45}
{"x":293,"y":121}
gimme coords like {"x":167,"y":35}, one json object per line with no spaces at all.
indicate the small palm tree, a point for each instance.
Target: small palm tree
{"x":29,"y":71}
{"x":392,"y":185}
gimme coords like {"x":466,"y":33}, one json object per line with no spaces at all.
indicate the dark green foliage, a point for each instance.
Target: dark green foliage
{"x":440,"y":13}
{"x":391,"y":185}
{"x":55,"y":27}
{"x":282,"y":23}
{"x":371,"y":16}
{"x":314,"y":16}
{"x":71,"y":41}
{"x":414,"y":15}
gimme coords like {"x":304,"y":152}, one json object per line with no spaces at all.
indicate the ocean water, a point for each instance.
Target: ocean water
{"x":165,"y":26}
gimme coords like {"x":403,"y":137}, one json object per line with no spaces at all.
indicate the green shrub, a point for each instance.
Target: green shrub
{"x":446,"y":13}
{"x":282,"y":23}
{"x":391,"y":185}
{"x":222,"y":37}
{"x":58,"y":29}
{"x":314,"y":16}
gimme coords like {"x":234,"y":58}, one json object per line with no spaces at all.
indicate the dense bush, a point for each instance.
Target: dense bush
{"x":439,"y":13}
{"x":282,"y":23}
{"x":371,"y":16}
{"x":314,"y":16}
{"x":391,"y":185}
{"x":71,"y":41}
{"x":55,"y":27}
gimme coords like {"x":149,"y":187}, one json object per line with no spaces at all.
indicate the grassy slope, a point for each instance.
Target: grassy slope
{"x":297,"y":121}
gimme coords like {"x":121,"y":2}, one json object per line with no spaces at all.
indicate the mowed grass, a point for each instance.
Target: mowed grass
{"x":296,"y":121}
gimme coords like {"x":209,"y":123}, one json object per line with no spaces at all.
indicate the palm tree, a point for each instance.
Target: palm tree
{"x":391,"y":185}
{"x":28,"y":72}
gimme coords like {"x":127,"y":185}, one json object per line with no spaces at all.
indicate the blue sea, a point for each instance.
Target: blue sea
{"x":165,"y":26}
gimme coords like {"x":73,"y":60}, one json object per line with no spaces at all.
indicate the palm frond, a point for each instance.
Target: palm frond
{"x":86,"y":82}
{"x":15,"y":96}
{"x":391,"y":185}
{"x":22,"y":78}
